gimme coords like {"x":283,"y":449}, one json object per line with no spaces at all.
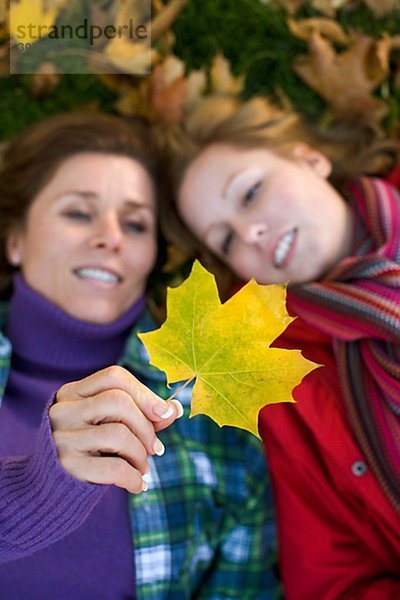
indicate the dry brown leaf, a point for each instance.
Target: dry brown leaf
{"x":346,"y":80}
{"x":5,"y":58}
{"x":382,"y":7}
{"x":196,"y":87}
{"x":124,"y":53}
{"x":165,"y":18}
{"x":395,"y":42}
{"x":162,"y":96}
{"x":172,"y":68}
{"x":46,"y":79}
{"x":3,"y":12}
{"x":221,"y":78}
{"x":58,"y":4}
{"x":136,"y":11}
{"x":156,"y":6}
{"x":329,"y":7}
{"x":130,"y":57}
{"x":171,"y":91}
{"x":291,"y":6}
{"x":134,"y":100}
{"x":328,"y":28}
{"x":167,"y":99}
{"x":396,"y":78}
{"x":99,"y":18}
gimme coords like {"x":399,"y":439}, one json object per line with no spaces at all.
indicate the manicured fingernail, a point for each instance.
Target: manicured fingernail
{"x":159,"y":448}
{"x":179,"y":408}
{"x":163,"y":411}
{"x":146,"y":477}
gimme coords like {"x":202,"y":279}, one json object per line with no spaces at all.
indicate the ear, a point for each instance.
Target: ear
{"x":315,"y":159}
{"x":14,"y":248}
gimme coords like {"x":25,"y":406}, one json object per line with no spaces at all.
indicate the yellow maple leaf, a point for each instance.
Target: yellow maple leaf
{"x":226,"y":347}
{"x":30,"y":20}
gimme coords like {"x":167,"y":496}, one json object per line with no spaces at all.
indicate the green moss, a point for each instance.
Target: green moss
{"x":18,"y":109}
{"x":364,"y":20}
{"x":256,"y":40}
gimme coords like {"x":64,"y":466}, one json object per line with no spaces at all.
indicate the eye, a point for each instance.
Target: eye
{"x":251,"y":193}
{"x":135,"y":227}
{"x":227,"y":243}
{"x":77,"y":215}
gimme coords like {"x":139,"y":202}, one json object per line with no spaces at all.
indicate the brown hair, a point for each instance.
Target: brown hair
{"x":31,"y":159}
{"x":353,"y":148}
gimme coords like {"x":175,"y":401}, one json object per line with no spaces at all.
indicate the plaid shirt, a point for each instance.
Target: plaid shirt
{"x":205,"y":528}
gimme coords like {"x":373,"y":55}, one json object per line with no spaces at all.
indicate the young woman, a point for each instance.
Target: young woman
{"x":275,"y":201}
{"x":96,"y":501}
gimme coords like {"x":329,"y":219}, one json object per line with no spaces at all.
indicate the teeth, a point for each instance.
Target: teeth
{"x":98,"y":275}
{"x":283,"y":248}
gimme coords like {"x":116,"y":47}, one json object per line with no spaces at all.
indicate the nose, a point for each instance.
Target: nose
{"x":107,"y":234}
{"x":251,"y":233}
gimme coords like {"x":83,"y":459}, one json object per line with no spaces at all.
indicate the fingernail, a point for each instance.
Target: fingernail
{"x":159,"y":447}
{"x":163,"y":411}
{"x":146,"y":477}
{"x":179,"y":408}
{"x":145,"y":487}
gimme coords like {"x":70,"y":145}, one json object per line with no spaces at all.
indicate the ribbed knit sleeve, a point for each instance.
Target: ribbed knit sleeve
{"x":39,"y":502}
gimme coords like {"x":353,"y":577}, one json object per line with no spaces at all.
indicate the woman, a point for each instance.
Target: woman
{"x":90,"y":505}
{"x":278,"y":202}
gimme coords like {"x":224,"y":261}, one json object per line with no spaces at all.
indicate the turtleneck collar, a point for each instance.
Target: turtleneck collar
{"x":43,"y":334}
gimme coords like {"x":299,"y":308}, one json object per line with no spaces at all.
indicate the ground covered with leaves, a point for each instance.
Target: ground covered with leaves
{"x":330,"y":59}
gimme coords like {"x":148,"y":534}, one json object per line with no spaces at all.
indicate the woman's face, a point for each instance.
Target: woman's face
{"x":89,"y":241}
{"x":270,"y":218}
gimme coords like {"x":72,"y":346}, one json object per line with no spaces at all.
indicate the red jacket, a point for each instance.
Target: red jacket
{"x":339,"y":536}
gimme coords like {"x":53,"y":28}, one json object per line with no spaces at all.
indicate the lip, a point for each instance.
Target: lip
{"x":98,"y":282}
{"x":289,"y":253}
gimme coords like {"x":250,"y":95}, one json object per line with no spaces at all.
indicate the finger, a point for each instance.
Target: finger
{"x":109,"y":438}
{"x":153,"y":407}
{"x":113,"y":405}
{"x":106,"y":470}
{"x":164,"y":423}
{"x":116,"y":471}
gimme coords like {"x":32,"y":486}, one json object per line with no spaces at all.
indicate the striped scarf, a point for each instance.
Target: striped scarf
{"x":358,"y":305}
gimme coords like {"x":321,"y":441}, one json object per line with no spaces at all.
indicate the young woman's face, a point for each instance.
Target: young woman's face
{"x":89,"y":241}
{"x":270,"y":218}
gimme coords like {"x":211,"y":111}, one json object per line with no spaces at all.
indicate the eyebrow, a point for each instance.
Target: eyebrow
{"x":229,"y":183}
{"x":134,"y":204}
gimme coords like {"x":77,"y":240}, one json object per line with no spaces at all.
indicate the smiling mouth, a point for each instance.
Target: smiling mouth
{"x":283,"y":248}
{"x":95,"y":274}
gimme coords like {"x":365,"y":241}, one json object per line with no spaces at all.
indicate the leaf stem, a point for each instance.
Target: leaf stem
{"x":182,"y":387}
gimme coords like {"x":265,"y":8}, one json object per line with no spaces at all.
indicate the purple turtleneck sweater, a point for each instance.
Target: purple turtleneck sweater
{"x":59,"y":538}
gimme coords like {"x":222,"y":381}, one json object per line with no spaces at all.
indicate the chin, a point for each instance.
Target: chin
{"x":98,"y":317}
{"x":102,"y":318}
